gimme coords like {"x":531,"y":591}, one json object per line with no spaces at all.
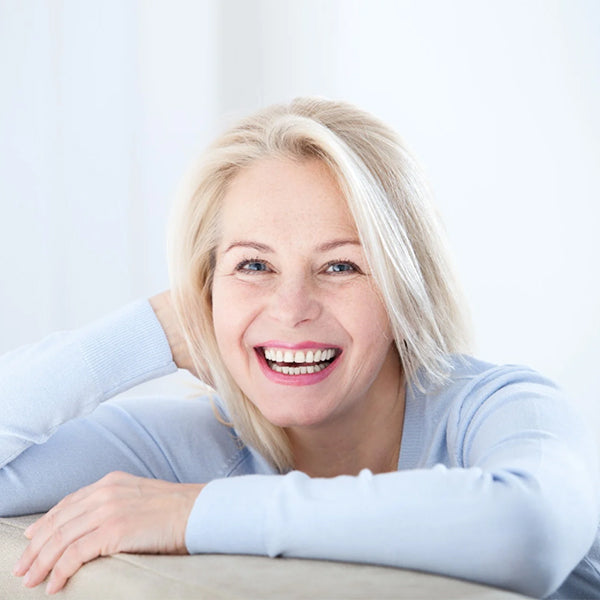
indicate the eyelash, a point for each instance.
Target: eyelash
{"x":240,"y":267}
{"x":354,"y":267}
{"x":248,"y":261}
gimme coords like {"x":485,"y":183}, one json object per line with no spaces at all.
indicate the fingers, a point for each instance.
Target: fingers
{"x":39,"y":535}
{"x":48,"y":520}
{"x":61,"y":527}
{"x":63,"y":563}
{"x":60,"y":546}
{"x":77,"y":554}
{"x":119,"y":513}
{"x":54,"y":525}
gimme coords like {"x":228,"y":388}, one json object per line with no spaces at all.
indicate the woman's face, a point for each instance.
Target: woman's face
{"x":297,"y":320}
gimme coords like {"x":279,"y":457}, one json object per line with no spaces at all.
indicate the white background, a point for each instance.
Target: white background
{"x":104,"y":104}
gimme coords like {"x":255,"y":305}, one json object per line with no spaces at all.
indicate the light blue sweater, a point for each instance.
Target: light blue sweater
{"x":496,"y":480}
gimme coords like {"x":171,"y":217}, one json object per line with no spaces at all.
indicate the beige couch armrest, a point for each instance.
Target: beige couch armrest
{"x":148,"y":577}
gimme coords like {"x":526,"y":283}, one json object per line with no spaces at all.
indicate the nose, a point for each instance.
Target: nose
{"x":295,"y":301}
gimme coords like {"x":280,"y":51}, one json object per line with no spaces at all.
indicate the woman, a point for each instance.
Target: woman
{"x":311,"y":288}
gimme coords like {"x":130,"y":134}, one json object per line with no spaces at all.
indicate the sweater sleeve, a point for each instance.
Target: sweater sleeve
{"x":68,"y":374}
{"x":516,"y":506}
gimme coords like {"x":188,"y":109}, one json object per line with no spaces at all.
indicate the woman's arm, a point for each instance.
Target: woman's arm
{"x":68,"y":374}
{"x":60,"y":443}
{"x":517,"y":509}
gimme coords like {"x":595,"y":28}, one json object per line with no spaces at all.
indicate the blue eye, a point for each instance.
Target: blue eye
{"x":252,"y":266}
{"x":342,"y":267}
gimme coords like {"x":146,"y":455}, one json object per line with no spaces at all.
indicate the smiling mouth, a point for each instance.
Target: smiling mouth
{"x":299,"y":362}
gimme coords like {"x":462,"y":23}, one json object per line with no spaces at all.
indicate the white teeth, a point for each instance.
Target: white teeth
{"x":299,"y":356}
{"x":309,"y":362}
{"x":308,"y":370}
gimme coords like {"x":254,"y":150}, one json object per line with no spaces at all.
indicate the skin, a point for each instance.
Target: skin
{"x":118,"y":513}
{"x":289,"y":269}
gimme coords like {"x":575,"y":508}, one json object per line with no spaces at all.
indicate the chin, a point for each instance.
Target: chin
{"x":300,"y":417}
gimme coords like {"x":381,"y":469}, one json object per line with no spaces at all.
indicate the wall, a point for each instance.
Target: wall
{"x":103,"y":104}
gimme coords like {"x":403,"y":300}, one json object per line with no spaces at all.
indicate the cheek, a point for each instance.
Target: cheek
{"x":232,"y":313}
{"x":224,"y":316}
{"x":371,"y":321}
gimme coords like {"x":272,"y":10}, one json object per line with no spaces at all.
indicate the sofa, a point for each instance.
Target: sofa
{"x":220,"y":577}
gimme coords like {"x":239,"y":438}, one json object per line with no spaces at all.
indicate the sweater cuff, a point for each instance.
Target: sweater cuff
{"x":126,"y":348}
{"x":230,"y":516}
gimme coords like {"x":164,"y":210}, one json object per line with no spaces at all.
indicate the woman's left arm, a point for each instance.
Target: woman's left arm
{"x":517,"y":509}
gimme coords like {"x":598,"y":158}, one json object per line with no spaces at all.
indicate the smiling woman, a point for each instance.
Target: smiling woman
{"x":295,"y":301}
{"x":312,"y":289}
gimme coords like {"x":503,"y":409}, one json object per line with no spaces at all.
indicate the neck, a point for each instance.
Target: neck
{"x":369,"y":437}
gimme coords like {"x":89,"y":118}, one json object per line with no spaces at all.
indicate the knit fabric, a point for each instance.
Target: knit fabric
{"x":497,"y":477}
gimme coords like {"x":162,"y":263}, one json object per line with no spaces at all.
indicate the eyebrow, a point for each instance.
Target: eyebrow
{"x":326,"y":247}
{"x":337,"y":243}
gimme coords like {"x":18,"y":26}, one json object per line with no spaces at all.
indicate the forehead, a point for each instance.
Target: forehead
{"x":281,"y":198}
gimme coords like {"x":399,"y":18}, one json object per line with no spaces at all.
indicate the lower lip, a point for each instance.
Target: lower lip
{"x":306,"y":379}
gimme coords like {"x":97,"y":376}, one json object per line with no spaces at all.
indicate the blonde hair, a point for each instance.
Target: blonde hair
{"x":397,"y":225}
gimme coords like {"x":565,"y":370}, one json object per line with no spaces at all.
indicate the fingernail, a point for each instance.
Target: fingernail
{"x":51,"y":587}
{"x":27,"y":533}
{"x":27,"y":579}
{"x":17,"y":569}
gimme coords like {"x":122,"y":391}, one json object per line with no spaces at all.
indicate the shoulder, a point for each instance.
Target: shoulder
{"x":481,"y":404}
{"x":473,"y":383}
{"x":477,"y":391}
{"x":470,"y":372}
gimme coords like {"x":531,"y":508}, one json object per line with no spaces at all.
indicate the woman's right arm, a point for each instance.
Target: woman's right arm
{"x":68,"y":374}
{"x":49,"y":442}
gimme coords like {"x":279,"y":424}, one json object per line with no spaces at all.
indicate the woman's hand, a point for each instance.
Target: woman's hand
{"x":118,"y":513}
{"x":165,"y":313}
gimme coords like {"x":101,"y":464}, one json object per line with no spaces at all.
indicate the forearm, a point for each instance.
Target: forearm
{"x":517,"y":509}
{"x":454,"y":522}
{"x":68,"y":374}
